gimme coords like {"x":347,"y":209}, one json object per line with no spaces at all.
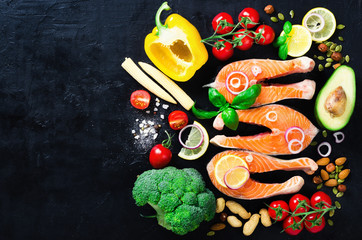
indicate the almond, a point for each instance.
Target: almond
{"x":340,"y":161}
{"x":344,"y":174}
{"x":323,"y":161}
{"x":218,"y":226}
{"x":324,"y":175}
{"x":331,"y":183}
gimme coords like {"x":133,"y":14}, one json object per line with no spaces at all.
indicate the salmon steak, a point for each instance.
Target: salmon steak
{"x":239,"y":76}
{"x":258,"y":163}
{"x":290,"y":131}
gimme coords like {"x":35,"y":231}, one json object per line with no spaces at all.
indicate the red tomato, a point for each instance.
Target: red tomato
{"x":252,"y":14}
{"x":160,"y":156}
{"x":246,"y":39}
{"x":140,"y":99}
{"x":281,"y":211}
{"x":314,"y":223}
{"x":267,"y":32}
{"x":320,"y":200}
{"x":299,"y":203}
{"x":177,"y":120}
{"x":291,"y":226}
{"x":223,"y":28}
{"x":224,"y":52}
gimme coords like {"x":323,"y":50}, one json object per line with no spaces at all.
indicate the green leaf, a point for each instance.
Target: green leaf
{"x":287,"y":28}
{"x":230,"y":118}
{"x":202,"y":114}
{"x":280,"y":41}
{"x":283,"y":51}
{"x":216,"y":98}
{"x":245,"y":99}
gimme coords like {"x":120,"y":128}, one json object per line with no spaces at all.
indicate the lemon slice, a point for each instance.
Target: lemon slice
{"x":236,"y":177}
{"x":315,"y":19}
{"x":226,"y":163}
{"x":193,"y":138}
{"x":299,"y":42}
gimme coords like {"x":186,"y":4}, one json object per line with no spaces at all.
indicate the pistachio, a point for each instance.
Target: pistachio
{"x":339,"y":181}
{"x":340,"y":26}
{"x":330,"y":167}
{"x":344,"y":174}
{"x":210,"y":233}
{"x":218,"y":226}
{"x":329,"y":44}
{"x":324,"y":133}
{"x":324,"y":175}
{"x":329,"y":53}
{"x":274,"y":19}
{"x":330,"y":222}
{"x":338,"y":48}
{"x":291,"y":13}
{"x":331,"y":213}
{"x":335,"y":190}
{"x":333,"y":46}
{"x":331,"y":183}
{"x":323,"y":161}
{"x":281,"y":16}
{"x":319,"y":186}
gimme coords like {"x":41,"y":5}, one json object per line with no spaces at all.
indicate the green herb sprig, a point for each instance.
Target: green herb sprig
{"x":282,"y":41}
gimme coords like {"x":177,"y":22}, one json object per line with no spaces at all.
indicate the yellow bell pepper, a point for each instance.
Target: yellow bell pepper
{"x":175,"y":47}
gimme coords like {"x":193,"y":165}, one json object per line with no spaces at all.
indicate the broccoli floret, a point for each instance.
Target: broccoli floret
{"x":179,"y":197}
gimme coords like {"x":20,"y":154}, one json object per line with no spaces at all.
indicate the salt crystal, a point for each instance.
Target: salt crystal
{"x":141,"y":125}
{"x":165,"y":106}
{"x":157,"y":100}
{"x":133,"y":131}
{"x":155,"y":136}
{"x":136,"y":137}
{"x":162,"y":116}
{"x":148,"y":111}
{"x":137,"y":120}
{"x":158,"y":104}
{"x":155,"y":109}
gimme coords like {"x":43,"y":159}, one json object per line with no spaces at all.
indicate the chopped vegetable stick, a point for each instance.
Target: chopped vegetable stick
{"x":145,"y":81}
{"x":169,"y":85}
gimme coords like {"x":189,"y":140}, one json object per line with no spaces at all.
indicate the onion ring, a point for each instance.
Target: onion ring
{"x":227,"y":83}
{"x":197,"y":145}
{"x":290,"y":146}
{"x":271,"y":119}
{"x":294,"y":128}
{"x":249,"y":158}
{"x":337,"y":134}
{"x":319,"y":28}
{"x":329,"y":149}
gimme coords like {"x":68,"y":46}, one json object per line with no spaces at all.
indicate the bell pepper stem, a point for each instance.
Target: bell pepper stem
{"x":159,"y":25}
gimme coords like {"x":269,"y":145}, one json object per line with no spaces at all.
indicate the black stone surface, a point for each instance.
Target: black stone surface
{"x":68,"y":158}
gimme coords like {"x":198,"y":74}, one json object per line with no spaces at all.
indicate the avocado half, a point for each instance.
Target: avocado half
{"x":335,"y":101}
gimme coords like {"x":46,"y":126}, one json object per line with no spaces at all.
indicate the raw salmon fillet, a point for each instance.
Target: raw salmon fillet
{"x":256,"y":70}
{"x":258,"y":163}
{"x":278,"y":119}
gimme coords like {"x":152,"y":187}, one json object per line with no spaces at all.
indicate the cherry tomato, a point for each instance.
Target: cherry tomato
{"x":160,"y":156}
{"x":140,"y":99}
{"x":246,"y":39}
{"x":252,"y":14}
{"x":314,"y":223}
{"x":299,"y":203}
{"x":320,"y":200}
{"x":226,"y":18}
{"x":177,"y":120}
{"x":281,"y":211}
{"x":267,"y":32}
{"x":291,"y":226}
{"x":224,"y":52}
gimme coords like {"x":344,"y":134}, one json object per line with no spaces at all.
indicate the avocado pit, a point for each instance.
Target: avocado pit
{"x":336,"y":101}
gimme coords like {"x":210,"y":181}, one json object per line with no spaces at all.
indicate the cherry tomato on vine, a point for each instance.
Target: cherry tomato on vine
{"x":299,"y":203}
{"x":320,"y":200}
{"x":291,"y":226}
{"x":278,"y":210}
{"x":225,"y":18}
{"x":140,"y":99}
{"x":160,"y":155}
{"x":177,"y":120}
{"x":314,"y":223}
{"x":267,"y":34}
{"x":252,"y":14}
{"x":246,"y":39}
{"x":222,"y":53}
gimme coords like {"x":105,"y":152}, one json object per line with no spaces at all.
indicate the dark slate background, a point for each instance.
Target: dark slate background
{"x":68,"y":158}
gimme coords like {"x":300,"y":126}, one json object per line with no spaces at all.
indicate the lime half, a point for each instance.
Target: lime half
{"x":321,"y":23}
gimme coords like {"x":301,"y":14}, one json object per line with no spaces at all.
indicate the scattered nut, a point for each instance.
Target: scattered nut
{"x":269,"y":9}
{"x":337,"y":56}
{"x":344,"y":174}
{"x":317,"y":180}
{"x":250,"y":225}
{"x":341,"y":188}
{"x":323,"y":161}
{"x":218,"y":226}
{"x":330,"y":167}
{"x":322,"y":47}
{"x":324,"y":175}
{"x":223,"y":217}
{"x":234,"y":221}
{"x":236,"y":208}
{"x":265,"y":218}
{"x":331,"y":183}
{"x":340,"y":161}
{"x":220,"y":205}
{"x":335,"y":66}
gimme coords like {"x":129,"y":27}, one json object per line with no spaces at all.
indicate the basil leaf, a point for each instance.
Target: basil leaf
{"x":230,"y":118}
{"x":283,"y":51}
{"x":287,"y":28}
{"x":202,"y":114}
{"x":245,"y":99}
{"x":216,"y":98}
{"x":280,"y":41}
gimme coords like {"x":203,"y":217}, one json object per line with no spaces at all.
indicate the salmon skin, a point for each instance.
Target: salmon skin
{"x":238,"y":76}
{"x":258,"y":163}
{"x":291,"y":132}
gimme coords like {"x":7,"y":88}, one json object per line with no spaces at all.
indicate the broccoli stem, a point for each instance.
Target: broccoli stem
{"x":160,"y":216}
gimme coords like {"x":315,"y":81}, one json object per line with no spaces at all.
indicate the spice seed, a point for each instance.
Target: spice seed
{"x":335,"y":191}
{"x":340,"y":38}
{"x":320,"y":58}
{"x":274,"y":19}
{"x":331,"y":213}
{"x":291,"y":13}
{"x":211,"y":233}
{"x":333,"y":46}
{"x":329,"y":44}
{"x":329,"y":53}
{"x":338,"y":205}
{"x":340,"y":26}
{"x":340,"y":194}
{"x":324,"y":133}
{"x":330,"y":60}
{"x":346,"y":58}
{"x":338,"y":48}
{"x":330,"y":222}
{"x":320,"y":186}
{"x":314,"y":143}
{"x":327,"y":65}
{"x":281,"y":16}
{"x":320,"y":67}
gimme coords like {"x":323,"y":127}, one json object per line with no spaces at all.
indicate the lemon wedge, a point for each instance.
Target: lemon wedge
{"x":299,"y":42}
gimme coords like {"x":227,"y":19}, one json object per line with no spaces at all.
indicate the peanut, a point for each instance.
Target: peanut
{"x":340,"y":161}
{"x":220,"y":205}
{"x":236,"y":208}
{"x":324,"y":175}
{"x":331,"y":183}
{"x":323,"y":161}
{"x":265,"y":218}
{"x":344,"y":174}
{"x":250,"y":225}
{"x":330,"y":167}
{"x":234,"y":222}
{"x":218,"y":226}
